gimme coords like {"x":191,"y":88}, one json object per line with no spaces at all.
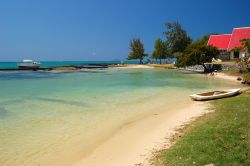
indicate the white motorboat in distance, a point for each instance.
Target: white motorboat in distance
{"x":29,"y":64}
{"x":215,"y":94}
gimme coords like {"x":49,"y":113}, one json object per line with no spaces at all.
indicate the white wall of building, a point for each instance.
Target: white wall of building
{"x":241,"y":54}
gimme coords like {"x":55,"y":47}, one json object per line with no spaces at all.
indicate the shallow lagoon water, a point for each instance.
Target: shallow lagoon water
{"x":55,"y":118}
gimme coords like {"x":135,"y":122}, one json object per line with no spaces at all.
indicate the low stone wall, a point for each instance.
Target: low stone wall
{"x":200,"y":68}
{"x":230,"y":67}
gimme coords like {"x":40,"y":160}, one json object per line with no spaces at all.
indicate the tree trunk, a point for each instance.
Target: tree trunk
{"x":205,"y":68}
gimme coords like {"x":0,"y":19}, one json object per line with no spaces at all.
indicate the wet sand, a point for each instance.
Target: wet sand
{"x":134,"y":143}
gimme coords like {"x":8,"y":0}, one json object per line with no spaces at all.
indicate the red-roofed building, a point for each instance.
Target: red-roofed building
{"x":219,"y":41}
{"x":227,"y":43}
{"x":238,"y":35}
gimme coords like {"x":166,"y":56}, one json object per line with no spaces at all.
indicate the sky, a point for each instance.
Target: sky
{"x":63,"y":30}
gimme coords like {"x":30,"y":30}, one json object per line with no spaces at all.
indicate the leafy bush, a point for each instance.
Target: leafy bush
{"x":246,"y":77}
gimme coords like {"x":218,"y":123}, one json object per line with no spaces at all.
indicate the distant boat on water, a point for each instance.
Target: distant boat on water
{"x":28,"y":64}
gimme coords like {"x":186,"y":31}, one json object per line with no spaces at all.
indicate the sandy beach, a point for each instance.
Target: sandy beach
{"x":133,"y":66}
{"x":226,"y":77}
{"x":134,"y":143}
{"x":144,"y":66}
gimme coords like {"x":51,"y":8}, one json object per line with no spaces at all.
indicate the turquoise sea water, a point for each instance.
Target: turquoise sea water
{"x":55,"y":118}
{"x":67,"y":63}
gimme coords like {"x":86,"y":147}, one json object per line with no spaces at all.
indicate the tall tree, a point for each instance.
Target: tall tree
{"x":198,"y":53}
{"x":161,"y":49}
{"x":155,"y":55}
{"x":177,"y":37}
{"x":137,"y":50}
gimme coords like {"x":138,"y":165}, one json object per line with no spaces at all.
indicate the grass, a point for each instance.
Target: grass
{"x":246,"y":77}
{"x":224,"y":63}
{"x":232,"y":72}
{"x":219,"y":138}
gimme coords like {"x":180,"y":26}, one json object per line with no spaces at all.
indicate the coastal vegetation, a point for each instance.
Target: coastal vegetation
{"x":244,"y":62}
{"x":137,"y":50}
{"x":177,"y":38}
{"x":198,"y":53}
{"x":161,"y":50}
{"x":218,"y":138}
{"x":246,"y":77}
{"x":176,"y":42}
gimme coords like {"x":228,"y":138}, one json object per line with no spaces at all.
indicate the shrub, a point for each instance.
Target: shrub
{"x":246,"y":77}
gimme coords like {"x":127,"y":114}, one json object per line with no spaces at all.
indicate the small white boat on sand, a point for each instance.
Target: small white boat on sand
{"x":29,"y":64}
{"x":215,"y":94}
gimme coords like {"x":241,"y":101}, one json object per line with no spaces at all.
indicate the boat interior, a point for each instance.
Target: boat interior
{"x":212,"y":93}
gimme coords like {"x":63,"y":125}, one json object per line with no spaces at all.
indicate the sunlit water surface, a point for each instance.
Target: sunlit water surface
{"x":55,"y":118}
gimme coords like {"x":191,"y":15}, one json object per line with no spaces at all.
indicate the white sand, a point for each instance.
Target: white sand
{"x":134,"y":143}
{"x":226,"y":77}
{"x":137,"y":66}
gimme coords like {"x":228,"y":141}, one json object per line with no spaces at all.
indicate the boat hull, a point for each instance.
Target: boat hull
{"x":215,"y":95}
{"x":28,"y":66}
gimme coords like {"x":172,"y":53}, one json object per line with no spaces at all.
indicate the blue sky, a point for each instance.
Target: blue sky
{"x":102,"y":29}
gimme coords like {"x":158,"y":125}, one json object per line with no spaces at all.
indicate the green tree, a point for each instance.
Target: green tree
{"x":244,"y":62}
{"x":137,"y":50}
{"x":198,"y":53}
{"x":155,"y":55}
{"x":161,"y":49}
{"x":177,"y":37}
{"x":246,"y":43}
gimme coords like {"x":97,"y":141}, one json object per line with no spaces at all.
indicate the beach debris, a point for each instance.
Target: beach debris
{"x":209,"y":164}
{"x":239,"y":78}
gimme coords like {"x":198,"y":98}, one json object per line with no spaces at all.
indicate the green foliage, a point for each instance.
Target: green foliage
{"x":177,"y":54}
{"x":137,"y":50}
{"x":244,"y":62}
{"x":236,"y":49}
{"x":246,"y":44}
{"x":219,"y":138}
{"x":155,"y":55}
{"x":198,"y":53}
{"x":177,"y":37}
{"x":161,"y":50}
{"x":246,"y":77}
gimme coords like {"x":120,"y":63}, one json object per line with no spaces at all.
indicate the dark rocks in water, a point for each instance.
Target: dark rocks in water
{"x":239,"y":79}
{"x":245,"y":83}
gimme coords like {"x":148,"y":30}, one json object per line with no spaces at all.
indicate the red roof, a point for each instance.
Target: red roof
{"x":237,"y":35}
{"x":219,"y":41}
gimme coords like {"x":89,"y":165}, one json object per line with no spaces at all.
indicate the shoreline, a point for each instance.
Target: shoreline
{"x":133,"y":143}
{"x":220,"y":75}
